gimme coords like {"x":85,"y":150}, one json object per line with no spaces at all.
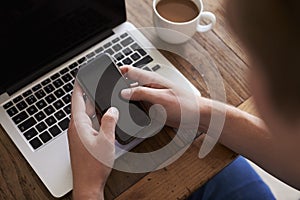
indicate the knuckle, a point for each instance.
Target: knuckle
{"x":108,"y":118}
{"x":138,"y":91}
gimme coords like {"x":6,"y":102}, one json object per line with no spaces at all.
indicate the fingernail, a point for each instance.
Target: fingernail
{"x":114,"y":111}
{"x":126,"y":93}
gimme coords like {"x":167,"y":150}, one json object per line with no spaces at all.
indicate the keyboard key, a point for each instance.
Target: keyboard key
{"x":147,"y":69}
{"x":143,"y":61}
{"x":40,"y":94}
{"x":64,"y":124}
{"x":127,"y":61}
{"x":66,"y":78}
{"x":45,"y":137}
{"x":67,"y":99}
{"x":45,"y":82}
{"x":63,"y":71}
{"x":58,"y":104}
{"x":127,"y":51}
{"x":37,"y":87}
{"x":40,"y":116}
{"x":127,"y":41}
{"x":30,"y":133}
{"x":49,"y":88}
{"x":74,"y":72}
{"x":116,"y":40}
{"x":41,"y":127}
{"x":35,"y":143}
{"x":41,"y":104}
{"x":21,"y":105}
{"x":59,"y":115}
{"x":117,"y":47}
{"x":20,"y":117}
{"x":50,"y":98}
{"x":7,"y":105}
{"x":50,"y":121}
{"x":54,"y":131}
{"x":27,"y":93}
{"x":67,"y":109}
{"x":156,"y":67}
{"x":55,"y":76}
{"x":32,"y":110}
{"x":49,"y":110}
{"x":25,"y":125}
{"x":119,"y":64}
{"x":135,"y":56}
{"x":141,"y":52}
{"x":119,"y":56}
{"x":68,"y":87}
{"x":99,"y":50}
{"x":107,"y":45}
{"x":12,"y":111}
{"x":73,"y":65}
{"x":30,"y":100}
{"x":81,"y":60}
{"x":59,"y":93}
{"x":58,"y":83}
{"x":124,"y":35}
{"x":17,"y":99}
{"x":135,"y":46}
{"x":109,"y":51}
{"x":90,"y":55}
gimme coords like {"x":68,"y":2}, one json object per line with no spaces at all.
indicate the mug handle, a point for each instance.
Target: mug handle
{"x":211,"y":17}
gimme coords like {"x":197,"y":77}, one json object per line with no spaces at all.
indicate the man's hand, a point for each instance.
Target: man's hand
{"x":176,"y":101}
{"x":91,"y":151}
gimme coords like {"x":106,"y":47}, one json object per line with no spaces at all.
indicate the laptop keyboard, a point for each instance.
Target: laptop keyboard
{"x":42,"y":113}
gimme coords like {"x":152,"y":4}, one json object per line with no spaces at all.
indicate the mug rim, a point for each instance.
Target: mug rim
{"x":177,"y":23}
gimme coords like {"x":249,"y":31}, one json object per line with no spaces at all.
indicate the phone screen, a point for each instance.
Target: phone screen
{"x":103,"y":82}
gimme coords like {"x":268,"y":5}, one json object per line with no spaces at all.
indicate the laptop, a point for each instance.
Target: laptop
{"x":45,"y":43}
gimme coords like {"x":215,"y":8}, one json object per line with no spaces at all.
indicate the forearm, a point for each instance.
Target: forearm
{"x":241,"y":132}
{"x":249,"y":136}
{"x":246,"y":135}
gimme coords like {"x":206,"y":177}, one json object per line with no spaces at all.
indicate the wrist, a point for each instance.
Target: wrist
{"x":205,"y":109}
{"x":88,"y":194}
{"x":87,"y":190}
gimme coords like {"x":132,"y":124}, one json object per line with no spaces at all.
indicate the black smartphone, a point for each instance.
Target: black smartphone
{"x":102,"y":81}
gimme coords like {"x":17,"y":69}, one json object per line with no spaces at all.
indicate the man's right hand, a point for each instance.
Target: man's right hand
{"x":155,"y":89}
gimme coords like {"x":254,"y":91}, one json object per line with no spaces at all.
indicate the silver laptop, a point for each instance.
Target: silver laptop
{"x":45,"y":43}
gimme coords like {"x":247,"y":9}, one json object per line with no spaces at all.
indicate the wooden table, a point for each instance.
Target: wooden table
{"x":178,"y":180}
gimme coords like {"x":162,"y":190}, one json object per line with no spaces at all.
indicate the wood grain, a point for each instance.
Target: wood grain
{"x":18,"y":180}
{"x":250,"y":107}
{"x":181,"y":178}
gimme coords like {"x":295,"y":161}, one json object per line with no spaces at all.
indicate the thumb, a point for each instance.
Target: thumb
{"x":141,"y":93}
{"x":108,"y":123}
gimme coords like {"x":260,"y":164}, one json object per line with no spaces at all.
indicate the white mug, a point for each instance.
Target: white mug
{"x":180,"y":32}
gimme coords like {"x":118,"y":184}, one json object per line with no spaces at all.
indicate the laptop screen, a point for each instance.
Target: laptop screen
{"x":35,"y":33}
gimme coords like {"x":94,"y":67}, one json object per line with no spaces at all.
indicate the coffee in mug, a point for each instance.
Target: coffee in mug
{"x":177,"y":10}
{"x":176,"y":21}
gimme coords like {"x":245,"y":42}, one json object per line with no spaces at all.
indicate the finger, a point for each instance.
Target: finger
{"x":108,"y":123}
{"x":78,"y":103}
{"x":102,"y":144}
{"x":144,"y":94}
{"x":90,"y":108}
{"x":145,"y":78}
{"x":124,"y":69}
